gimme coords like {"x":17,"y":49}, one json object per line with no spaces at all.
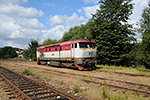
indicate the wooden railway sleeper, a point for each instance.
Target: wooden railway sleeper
{"x":21,"y":94}
{"x":60,"y":93}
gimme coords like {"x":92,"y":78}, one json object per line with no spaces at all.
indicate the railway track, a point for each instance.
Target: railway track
{"x":125,"y":73}
{"x":117,"y":84}
{"x":121,"y":73}
{"x":28,"y":89}
{"x":146,"y":70}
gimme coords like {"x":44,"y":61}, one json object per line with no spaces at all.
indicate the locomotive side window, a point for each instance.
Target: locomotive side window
{"x":60,"y":48}
{"x":75,"y":45}
{"x":46,"y":50}
{"x":49,"y":49}
{"x":55,"y":49}
{"x":72,"y":45}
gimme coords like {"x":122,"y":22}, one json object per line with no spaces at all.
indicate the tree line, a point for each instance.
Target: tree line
{"x":8,"y":52}
{"x":114,"y":36}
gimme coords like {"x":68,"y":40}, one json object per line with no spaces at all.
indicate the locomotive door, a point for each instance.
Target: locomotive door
{"x":60,"y":48}
{"x":72,"y":51}
{"x":73,"y":47}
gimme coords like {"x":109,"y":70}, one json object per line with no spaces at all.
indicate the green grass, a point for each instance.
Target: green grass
{"x":142,"y":67}
{"x":28,"y":72}
{"x":41,"y":79}
{"x":18,"y":59}
{"x":123,"y":69}
{"x":50,"y":76}
{"x":14,"y":69}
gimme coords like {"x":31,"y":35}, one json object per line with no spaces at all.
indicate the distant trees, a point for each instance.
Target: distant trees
{"x":8,"y":52}
{"x":143,"y":53}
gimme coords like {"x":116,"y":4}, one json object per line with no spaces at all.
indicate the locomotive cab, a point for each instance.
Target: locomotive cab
{"x":85,"y":54}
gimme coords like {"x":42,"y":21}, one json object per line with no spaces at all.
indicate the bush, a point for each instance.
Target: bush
{"x":28,"y":72}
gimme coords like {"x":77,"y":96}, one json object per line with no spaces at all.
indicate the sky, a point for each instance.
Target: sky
{"x":21,"y":20}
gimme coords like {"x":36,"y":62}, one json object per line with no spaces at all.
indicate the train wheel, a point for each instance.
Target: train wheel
{"x":38,"y":62}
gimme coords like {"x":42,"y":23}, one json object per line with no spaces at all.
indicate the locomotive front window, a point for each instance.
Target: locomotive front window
{"x":87,"y":45}
{"x":92,"y":45}
{"x":83,"y":45}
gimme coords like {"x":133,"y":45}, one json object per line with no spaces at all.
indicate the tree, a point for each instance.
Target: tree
{"x":112,"y":32}
{"x":144,"y":29}
{"x":32,"y":46}
{"x":8,"y":52}
{"x":79,"y":32}
{"x":137,"y":54}
{"x":26,"y":53}
{"x":49,"y":41}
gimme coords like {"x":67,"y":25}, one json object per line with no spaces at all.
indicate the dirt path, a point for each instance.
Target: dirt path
{"x":67,"y":79}
{"x":109,"y":75}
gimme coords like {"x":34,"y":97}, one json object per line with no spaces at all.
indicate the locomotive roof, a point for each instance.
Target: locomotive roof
{"x":66,"y":43}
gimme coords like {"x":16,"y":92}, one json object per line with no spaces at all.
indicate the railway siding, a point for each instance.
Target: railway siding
{"x":95,"y":83}
{"x":31,"y":89}
{"x":135,"y":87}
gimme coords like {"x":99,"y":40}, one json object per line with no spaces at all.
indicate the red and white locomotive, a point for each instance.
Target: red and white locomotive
{"x":79,"y":54}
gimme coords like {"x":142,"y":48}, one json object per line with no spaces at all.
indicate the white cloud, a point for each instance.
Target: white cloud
{"x":14,"y":34}
{"x":90,"y":10}
{"x":91,"y":1}
{"x":66,"y":20}
{"x":74,"y":20}
{"x":16,"y":10}
{"x":48,"y":4}
{"x":55,"y":32}
{"x":137,"y":12}
{"x":62,"y":23}
{"x":79,"y":10}
{"x":57,"y":20}
{"x":18,"y":24}
{"x":30,"y":23}
{"x":12,"y":1}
